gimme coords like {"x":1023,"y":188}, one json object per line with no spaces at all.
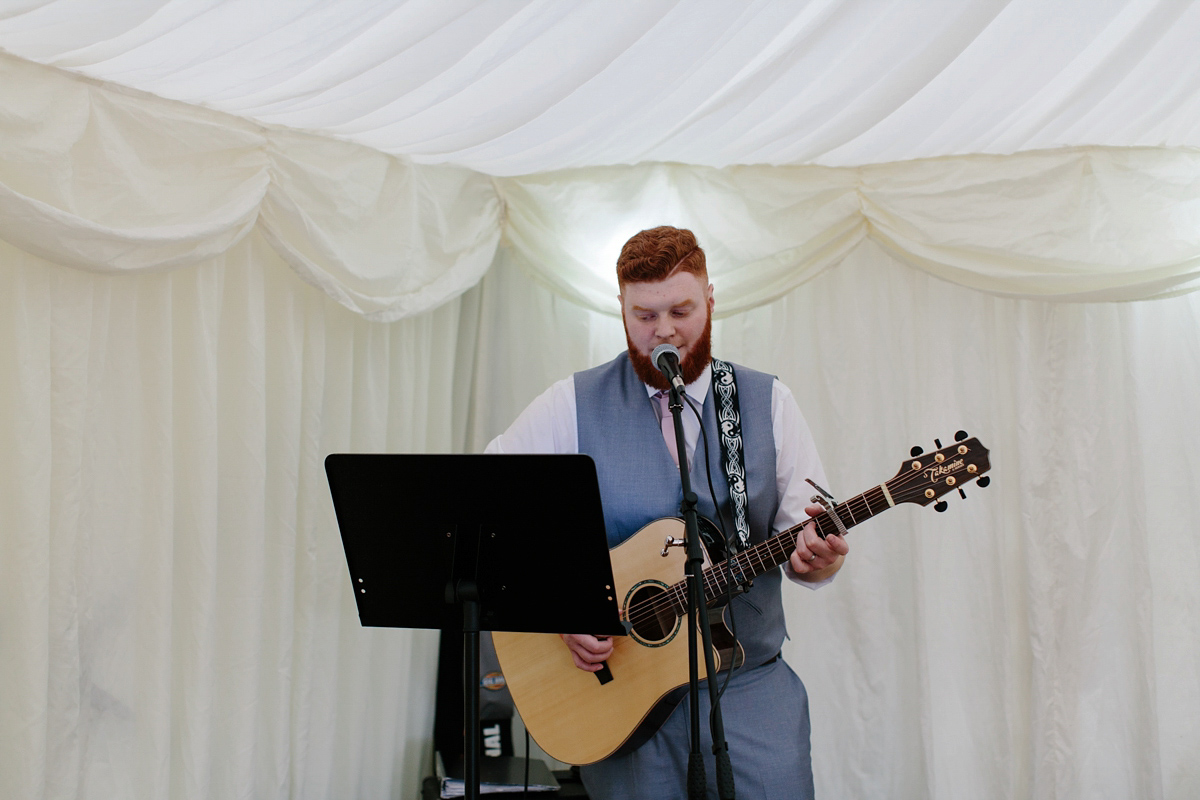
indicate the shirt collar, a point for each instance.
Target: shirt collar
{"x":697,"y":389}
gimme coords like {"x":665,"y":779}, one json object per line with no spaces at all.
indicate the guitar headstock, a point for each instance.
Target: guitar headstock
{"x":927,"y":476}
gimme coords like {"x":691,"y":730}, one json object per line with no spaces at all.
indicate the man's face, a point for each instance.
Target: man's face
{"x":675,"y":311}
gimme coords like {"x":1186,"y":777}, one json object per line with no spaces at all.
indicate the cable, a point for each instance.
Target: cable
{"x":720,"y":523}
{"x":525,"y":793}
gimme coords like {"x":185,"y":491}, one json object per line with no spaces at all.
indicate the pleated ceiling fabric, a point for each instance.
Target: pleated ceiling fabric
{"x":513,"y":87}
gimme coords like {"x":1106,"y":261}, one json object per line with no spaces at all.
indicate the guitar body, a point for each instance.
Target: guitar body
{"x":572,"y":714}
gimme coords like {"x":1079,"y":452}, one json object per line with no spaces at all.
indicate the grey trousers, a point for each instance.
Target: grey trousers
{"x":767,"y":728}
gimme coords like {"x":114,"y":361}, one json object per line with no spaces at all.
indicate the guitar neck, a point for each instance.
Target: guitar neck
{"x":767,"y":555}
{"x":920,"y":480}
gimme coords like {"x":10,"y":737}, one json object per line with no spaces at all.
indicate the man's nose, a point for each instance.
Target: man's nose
{"x":665,"y":328}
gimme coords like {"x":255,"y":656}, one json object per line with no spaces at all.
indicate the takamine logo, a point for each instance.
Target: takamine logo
{"x":935,"y":471}
{"x":494,"y":681}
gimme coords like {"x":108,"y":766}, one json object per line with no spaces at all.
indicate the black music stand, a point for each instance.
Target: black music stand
{"x":475,"y":542}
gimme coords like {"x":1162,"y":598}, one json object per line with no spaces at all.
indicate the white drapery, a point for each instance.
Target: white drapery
{"x":175,"y":611}
{"x":184,"y":625}
{"x":176,"y":619}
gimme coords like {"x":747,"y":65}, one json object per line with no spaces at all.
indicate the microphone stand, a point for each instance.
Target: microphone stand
{"x":696,"y":607}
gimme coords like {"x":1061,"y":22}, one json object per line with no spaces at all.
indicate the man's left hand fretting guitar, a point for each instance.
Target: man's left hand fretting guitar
{"x":582,"y":717}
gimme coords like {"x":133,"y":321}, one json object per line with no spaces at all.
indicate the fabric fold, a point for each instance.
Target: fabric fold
{"x":1080,"y":225}
{"x":384,"y":237}
{"x":105,"y":179}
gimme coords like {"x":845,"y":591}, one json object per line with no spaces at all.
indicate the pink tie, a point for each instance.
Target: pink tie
{"x":668,"y":425}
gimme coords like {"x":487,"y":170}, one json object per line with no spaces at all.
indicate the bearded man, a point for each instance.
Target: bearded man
{"x":617,"y":413}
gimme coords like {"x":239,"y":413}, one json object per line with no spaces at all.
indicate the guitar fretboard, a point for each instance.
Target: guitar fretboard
{"x":769,"y":554}
{"x":922,"y":480}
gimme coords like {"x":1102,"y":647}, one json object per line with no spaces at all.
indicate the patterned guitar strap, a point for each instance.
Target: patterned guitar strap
{"x":729,"y":422}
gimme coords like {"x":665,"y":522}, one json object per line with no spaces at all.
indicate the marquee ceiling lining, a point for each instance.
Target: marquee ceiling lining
{"x":511,"y":87}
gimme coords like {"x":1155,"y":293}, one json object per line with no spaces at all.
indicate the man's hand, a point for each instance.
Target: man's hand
{"x":814,"y":558}
{"x":588,"y":651}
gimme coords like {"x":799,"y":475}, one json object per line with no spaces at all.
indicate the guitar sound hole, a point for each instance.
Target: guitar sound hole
{"x":651,"y":617}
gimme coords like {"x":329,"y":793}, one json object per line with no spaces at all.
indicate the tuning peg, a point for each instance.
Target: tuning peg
{"x":940,"y":506}
{"x":937,"y":443}
{"x":958,"y":437}
{"x":961,"y":493}
{"x":916,"y":450}
{"x":984,"y":480}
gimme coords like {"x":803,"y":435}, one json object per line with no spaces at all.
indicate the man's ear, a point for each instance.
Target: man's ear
{"x":712,"y":301}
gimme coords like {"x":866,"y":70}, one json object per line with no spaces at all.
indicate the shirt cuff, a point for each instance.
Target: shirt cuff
{"x":814,"y":585}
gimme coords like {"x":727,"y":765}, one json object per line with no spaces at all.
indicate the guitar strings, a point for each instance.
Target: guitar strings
{"x":671,"y":599}
{"x":779,"y":547}
{"x":714,"y":575}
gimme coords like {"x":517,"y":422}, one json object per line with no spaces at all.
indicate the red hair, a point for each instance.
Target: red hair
{"x":657,"y":253}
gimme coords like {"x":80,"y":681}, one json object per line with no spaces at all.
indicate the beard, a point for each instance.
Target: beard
{"x":698,"y":357}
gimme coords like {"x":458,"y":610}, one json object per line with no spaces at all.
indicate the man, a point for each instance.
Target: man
{"x":616,"y":413}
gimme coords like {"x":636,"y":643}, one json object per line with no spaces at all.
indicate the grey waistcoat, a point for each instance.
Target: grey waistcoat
{"x":639,"y":482}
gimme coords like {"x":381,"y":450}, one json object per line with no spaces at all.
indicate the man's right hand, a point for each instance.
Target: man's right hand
{"x":588,"y":651}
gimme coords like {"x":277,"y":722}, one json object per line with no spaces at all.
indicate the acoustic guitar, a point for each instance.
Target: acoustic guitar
{"x":582,"y":717}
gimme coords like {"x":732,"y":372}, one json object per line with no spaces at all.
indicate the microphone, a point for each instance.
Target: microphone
{"x":666,"y":358}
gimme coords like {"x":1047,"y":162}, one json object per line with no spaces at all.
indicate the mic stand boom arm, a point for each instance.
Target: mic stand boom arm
{"x":698,"y":621}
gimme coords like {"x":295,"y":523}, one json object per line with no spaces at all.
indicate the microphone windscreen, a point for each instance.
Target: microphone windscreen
{"x":658,"y":352}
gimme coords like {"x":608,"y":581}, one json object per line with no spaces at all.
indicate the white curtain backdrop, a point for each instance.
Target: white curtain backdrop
{"x":253,"y":253}
{"x":178,"y":619}
{"x":175,"y":614}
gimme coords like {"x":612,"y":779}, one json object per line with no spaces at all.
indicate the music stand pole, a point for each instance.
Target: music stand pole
{"x":698,"y":619}
{"x":465,"y":592}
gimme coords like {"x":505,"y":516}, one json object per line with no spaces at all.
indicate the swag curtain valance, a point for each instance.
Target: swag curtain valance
{"x":1082,"y":224}
{"x":100,"y":178}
